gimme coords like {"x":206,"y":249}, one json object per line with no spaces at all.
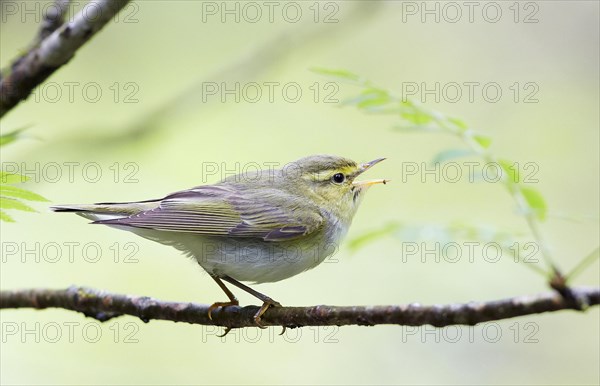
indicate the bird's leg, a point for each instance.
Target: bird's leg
{"x":232,"y":299}
{"x":267,"y":301}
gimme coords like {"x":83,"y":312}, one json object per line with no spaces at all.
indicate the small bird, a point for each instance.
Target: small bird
{"x":261,"y":226}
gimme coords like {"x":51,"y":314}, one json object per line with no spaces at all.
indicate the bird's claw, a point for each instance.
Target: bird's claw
{"x":267,"y":303}
{"x":227,"y":329}
{"x":216,"y":305}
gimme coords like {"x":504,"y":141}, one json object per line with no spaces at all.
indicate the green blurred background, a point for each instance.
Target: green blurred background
{"x":159,"y":56}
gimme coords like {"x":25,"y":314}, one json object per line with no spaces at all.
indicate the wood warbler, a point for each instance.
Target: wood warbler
{"x":260,"y":226}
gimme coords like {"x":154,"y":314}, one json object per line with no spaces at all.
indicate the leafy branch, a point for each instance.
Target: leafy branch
{"x":11,"y":196}
{"x":54,"y":45}
{"x":414,"y":116}
{"x":507,"y":243}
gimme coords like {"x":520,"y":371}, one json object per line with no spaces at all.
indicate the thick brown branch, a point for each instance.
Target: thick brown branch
{"x":54,"y":51}
{"x":103,"y":306}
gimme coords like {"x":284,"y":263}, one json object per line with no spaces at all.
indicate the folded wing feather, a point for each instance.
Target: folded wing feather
{"x":229,"y":211}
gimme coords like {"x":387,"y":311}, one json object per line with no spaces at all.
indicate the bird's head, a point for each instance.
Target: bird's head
{"x":331,"y":181}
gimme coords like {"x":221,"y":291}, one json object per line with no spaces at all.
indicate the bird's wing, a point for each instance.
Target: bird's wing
{"x":229,"y":211}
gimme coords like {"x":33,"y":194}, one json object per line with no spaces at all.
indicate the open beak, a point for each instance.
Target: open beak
{"x":363,"y":168}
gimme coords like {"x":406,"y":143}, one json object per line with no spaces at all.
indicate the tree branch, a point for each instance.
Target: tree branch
{"x":53,"y":52}
{"x":103,"y":306}
{"x":53,"y":18}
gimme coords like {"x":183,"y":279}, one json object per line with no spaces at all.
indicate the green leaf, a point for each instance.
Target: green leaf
{"x":11,"y":178}
{"x":9,"y":203}
{"x":13,"y":191}
{"x":5,"y":217}
{"x":536,"y":201}
{"x":483,"y":140}
{"x":512,"y":174}
{"x":373,"y":98}
{"x":368,"y":237}
{"x":415,"y":116}
{"x":341,"y":74}
{"x":447,"y":155}
{"x":10,"y":137}
{"x":459,"y":124}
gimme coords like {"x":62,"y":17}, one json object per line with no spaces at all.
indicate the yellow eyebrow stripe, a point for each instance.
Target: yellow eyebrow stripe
{"x":327,"y":174}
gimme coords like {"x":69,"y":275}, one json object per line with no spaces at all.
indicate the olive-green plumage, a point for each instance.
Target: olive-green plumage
{"x":263,"y":226}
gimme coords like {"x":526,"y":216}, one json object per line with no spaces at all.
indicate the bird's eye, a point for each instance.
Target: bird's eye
{"x":338,"y":178}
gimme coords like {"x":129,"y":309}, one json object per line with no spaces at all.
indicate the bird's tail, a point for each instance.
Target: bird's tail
{"x":107,"y":210}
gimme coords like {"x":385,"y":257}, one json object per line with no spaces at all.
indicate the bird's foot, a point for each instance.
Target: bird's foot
{"x":214,"y":306}
{"x":268,"y":302}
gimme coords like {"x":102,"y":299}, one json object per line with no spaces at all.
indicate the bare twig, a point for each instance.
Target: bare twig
{"x":54,"y":17}
{"x":53,"y":52}
{"x":103,"y":306}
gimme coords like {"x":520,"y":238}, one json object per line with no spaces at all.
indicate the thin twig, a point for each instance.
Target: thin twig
{"x":103,"y":306}
{"x":54,"y":51}
{"x":583,"y":264}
